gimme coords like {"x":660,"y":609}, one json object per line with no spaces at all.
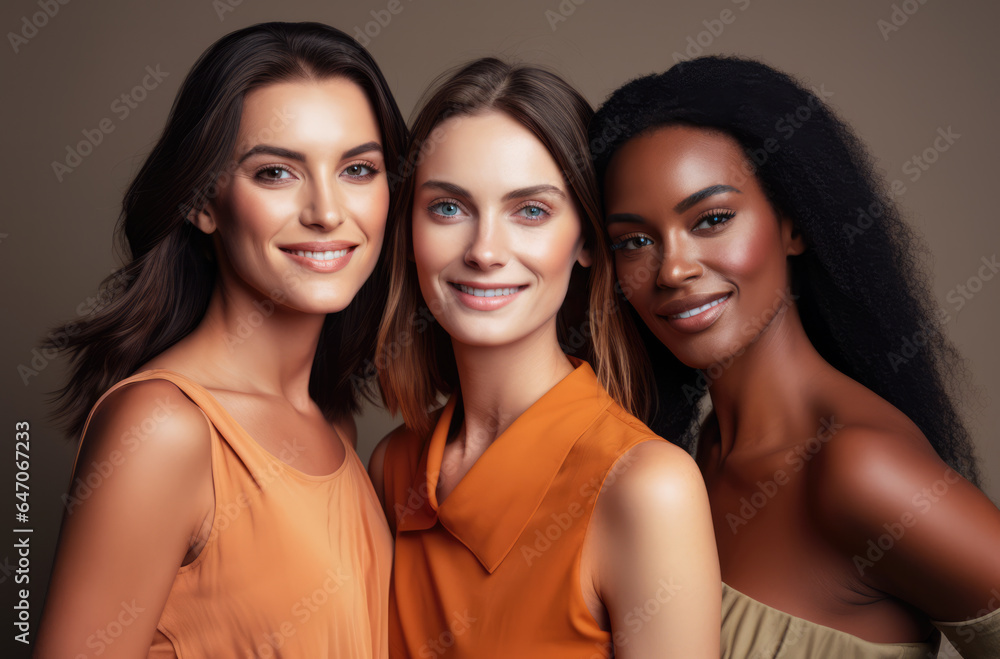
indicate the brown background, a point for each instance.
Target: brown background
{"x":938,"y":70}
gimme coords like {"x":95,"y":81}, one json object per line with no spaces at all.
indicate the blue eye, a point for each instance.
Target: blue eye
{"x":712,"y":219}
{"x":532,"y":212}
{"x":445,"y":209}
{"x":630,"y":242}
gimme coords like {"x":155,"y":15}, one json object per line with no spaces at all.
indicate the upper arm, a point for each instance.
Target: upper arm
{"x":401,"y":459}
{"x":914,"y":528}
{"x":657,"y":563}
{"x":136,"y":500}
{"x":376,"y":468}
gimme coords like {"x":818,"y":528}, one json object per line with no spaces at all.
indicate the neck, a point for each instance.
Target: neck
{"x":762,"y":393}
{"x":254,"y":344}
{"x":499,"y":383}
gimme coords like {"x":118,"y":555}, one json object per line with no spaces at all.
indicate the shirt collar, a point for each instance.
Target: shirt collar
{"x":495,"y":500}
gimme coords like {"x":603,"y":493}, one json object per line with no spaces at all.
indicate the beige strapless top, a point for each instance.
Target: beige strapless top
{"x":754,"y":630}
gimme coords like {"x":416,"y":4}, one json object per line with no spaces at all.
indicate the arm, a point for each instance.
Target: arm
{"x":657,"y":564}
{"x":939,"y":534}
{"x":376,"y":467}
{"x":136,"y":501}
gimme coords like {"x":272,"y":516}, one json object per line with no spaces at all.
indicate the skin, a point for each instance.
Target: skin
{"x":153,"y":514}
{"x":804,"y":466}
{"x":471,"y":225}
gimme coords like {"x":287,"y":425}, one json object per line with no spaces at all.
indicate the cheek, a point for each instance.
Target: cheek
{"x":369,"y":206}
{"x":552,"y":251}
{"x":757,"y":257}
{"x":637,"y":275}
{"x":247,"y":219}
{"x":433,"y":249}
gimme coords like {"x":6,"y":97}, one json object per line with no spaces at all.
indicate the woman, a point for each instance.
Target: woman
{"x":840,"y":476}
{"x":218,"y":507}
{"x":534,"y":516}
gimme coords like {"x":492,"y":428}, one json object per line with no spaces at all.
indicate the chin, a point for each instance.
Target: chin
{"x":322,"y":304}
{"x":484,"y":335}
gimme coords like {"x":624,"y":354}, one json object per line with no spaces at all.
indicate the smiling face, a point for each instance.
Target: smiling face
{"x":699,"y":251}
{"x":302,"y":217}
{"x":495,"y":231}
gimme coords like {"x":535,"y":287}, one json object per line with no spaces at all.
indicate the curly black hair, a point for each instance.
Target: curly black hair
{"x":861,"y":288}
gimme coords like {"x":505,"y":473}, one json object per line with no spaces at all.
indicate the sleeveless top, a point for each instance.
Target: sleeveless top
{"x":753,"y":629}
{"x":295,"y":565}
{"x":493,"y":571}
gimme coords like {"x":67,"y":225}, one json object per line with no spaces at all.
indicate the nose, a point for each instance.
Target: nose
{"x":679,"y":263}
{"x":323,"y":207}
{"x":489,"y":247}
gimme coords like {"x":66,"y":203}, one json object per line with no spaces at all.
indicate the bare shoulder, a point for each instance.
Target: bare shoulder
{"x":866,"y":456}
{"x":151,"y":417}
{"x":884,"y":498}
{"x":143,"y":479}
{"x":870,"y":471}
{"x":376,"y":464}
{"x":652,"y":540}
{"x":653,"y":478}
{"x":399,"y":433}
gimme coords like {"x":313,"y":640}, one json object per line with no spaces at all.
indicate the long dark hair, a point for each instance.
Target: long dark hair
{"x":415,"y":359}
{"x":162,"y":292}
{"x":860,"y":291}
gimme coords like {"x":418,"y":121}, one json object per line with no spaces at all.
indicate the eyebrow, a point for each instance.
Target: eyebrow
{"x":630,"y":218}
{"x":459,"y":191}
{"x":702,"y":194}
{"x":295,"y":155}
{"x":450,"y":188}
{"x":682,"y":206}
{"x":544,"y":188}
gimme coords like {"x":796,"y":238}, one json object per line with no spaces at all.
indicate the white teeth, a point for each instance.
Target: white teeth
{"x":698,"y":310}
{"x":486,"y":292}
{"x":321,"y":256}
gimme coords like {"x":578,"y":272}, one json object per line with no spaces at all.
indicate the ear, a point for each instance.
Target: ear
{"x":203,"y":218}
{"x":791,"y":237}
{"x":586,"y":257}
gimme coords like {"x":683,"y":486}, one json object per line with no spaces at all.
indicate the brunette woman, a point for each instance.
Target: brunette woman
{"x":534,"y":516}
{"x":841,"y":479}
{"x":218,"y":508}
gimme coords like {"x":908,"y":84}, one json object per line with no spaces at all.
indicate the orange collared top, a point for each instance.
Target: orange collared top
{"x":494,"y":570}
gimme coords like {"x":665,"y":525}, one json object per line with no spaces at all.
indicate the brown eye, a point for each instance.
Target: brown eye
{"x":713,"y":219}
{"x":628,"y":243}
{"x":273,"y":173}
{"x":360,"y":170}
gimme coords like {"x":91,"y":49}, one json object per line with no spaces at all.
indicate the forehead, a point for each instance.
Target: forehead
{"x":331,"y":110}
{"x":487,"y":153}
{"x":675,"y":161}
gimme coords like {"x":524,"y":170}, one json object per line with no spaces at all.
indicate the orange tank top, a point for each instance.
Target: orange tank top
{"x":295,"y":565}
{"x":494,"y":570}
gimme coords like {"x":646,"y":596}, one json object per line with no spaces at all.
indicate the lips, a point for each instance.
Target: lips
{"x":694,"y":313}
{"x":691,"y":305}
{"x":328,"y":255}
{"x":486,"y":296}
{"x":701,"y":309}
{"x":492,"y":291}
{"x":321,"y":256}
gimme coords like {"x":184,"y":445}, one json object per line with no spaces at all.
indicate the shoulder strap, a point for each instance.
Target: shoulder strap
{"x":213,"y":411}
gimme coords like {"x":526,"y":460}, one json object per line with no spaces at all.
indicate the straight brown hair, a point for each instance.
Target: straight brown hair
{"x":162,"y":291}
{"x":414,"y":357}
